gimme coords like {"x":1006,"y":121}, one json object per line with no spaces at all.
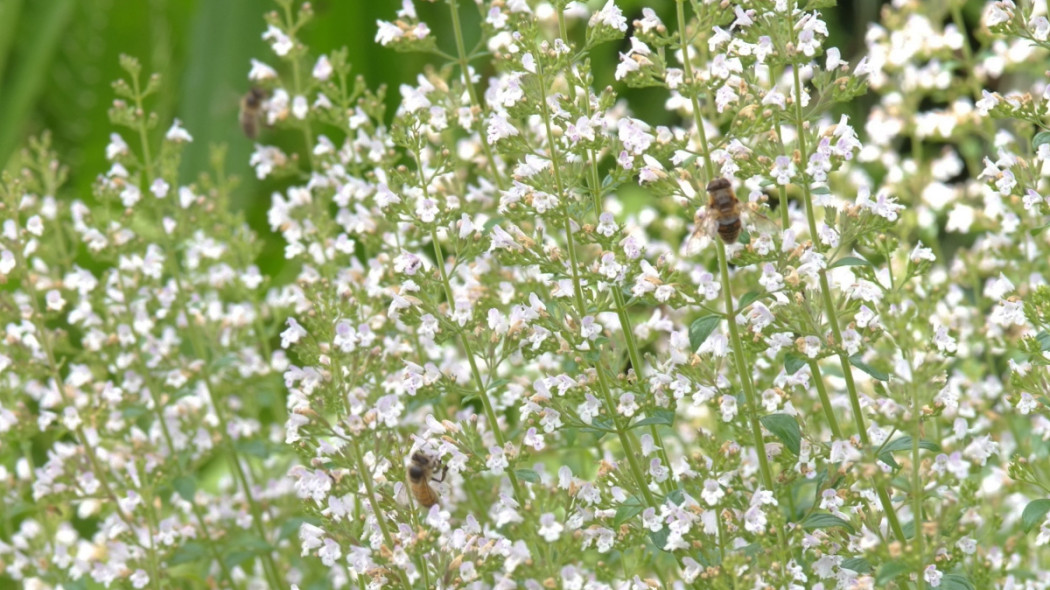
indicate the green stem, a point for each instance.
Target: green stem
{"x":825,"y":401}
{"x":372,"y":501}
{"x":464,"y":66}
{"x":829,"y":309}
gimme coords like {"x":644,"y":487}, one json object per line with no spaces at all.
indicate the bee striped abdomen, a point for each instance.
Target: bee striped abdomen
{"x":725,"y":207}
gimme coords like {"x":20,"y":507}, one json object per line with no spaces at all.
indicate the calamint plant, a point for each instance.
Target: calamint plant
{"x":793,"y":334}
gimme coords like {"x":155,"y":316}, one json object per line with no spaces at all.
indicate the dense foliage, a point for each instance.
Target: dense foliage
{"x":515,"y":284}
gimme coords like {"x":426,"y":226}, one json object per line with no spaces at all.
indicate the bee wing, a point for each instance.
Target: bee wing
{"x":705,"y":225}
{"x":757,"y":222}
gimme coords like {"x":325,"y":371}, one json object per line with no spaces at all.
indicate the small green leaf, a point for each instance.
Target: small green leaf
{"x":889,"y":571}
{"x":820,"y":190}
{"x":497,"y":384}
{"x":491,"y":223}
{"x":903,"y":444}
{"x":1034,"y":514}
{"x":659,"y":538}
{"x":291,"y":526}
{"x":748,"y":298}
{"x":186,"y":486}
{"x":786,"y":429}
{"x":528,"y":475}
{"x":856,"y":361}
{"x":701,"y":328}
{"x":657,"y":416}
{"x":253,"y":447}
{"x":793,"y":362}
{"x":823,"y":520}
{"x":1043,"y":338}
{"x":631,"y":507}
{"x":676,"y":496}
{"x":849,"y":261}
{"x":857,"y":564}
{"x":745,"y":237}
{"x":956,"y":582}
{"x":1040,"y":138}
{"x":190,"y":551}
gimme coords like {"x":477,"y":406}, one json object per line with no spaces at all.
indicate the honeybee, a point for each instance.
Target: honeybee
{"x":723,"y":209}
{"x":251,"y":111}
{"x":421,"y":473}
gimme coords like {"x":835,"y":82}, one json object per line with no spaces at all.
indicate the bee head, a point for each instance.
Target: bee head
{"x":415,"y":473}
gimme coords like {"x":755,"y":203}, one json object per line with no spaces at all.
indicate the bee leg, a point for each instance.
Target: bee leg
{"x":444,"y":470}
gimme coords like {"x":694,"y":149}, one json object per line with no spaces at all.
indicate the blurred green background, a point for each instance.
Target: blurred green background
{"x":58,"y":59}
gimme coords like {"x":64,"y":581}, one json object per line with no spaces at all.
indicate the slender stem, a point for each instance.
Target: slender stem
{"x":623,"y":433}
{"x":825,"y":401}
{"x":479,"y":383}
{"x":829,"y":309}
{"x":464,"y":66}
{"x":372,"y":501}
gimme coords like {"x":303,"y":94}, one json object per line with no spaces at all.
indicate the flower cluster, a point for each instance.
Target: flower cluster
{"x":524,"y":344}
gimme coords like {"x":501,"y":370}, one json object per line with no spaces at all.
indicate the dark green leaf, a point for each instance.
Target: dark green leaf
{"x":497,"y":384}
{"x":1034,"y":514}
{"x":903,"y":444}
{"x":888,"y":572}
{"x":491,"y":223}
{"x":857,"y":564}
{"x":631,"y":507}
{"x":1043,"y":338}
{"x":186,"y":486}
{"x":956,"y":582}
{"x":253,"y":447}
{"x":657,"y":416}
{"x":849,"y":261}
{"x":190,"y":551}
{"x":786,"y":429}
{"x":745,"y":237}
{"x":793,"y":362}
{"x":291,"y":526}
{"x":527,"y":475}
{"x":676,"y":496}
{"x":823,"y":520}
{"x":856,"y":361}
{"x":701,"y":328}
{"x":1040,"y":138}
{"x":659,"y":538}
{"x":748,"y":298}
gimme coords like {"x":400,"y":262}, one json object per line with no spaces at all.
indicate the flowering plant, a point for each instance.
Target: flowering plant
{"x":515,"y":352}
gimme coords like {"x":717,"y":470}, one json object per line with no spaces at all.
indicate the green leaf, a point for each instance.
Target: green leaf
{"x":857,"y":564}
{"x":849,"y":261}
{"x":701,"y":328}
{"x":631,"y":507}
{"x":856,"y":361}
{"x":823,"y":520}
{"x":243,"y":548}
{"x":1043,"y":338}
{"x":745,"y":237}
{"x":903,"y":444}
{"x":1040,"y":138}
{"x":793,"y":362}
{"x":186,"y":486}
{"x":497,"y":384}
{"x":1034,"y":514}
{"x":188,"y":552}
{"x":528,"y":475}
{"x":253,"y":447}
{"x":748,"y":298}
{"x":659,"y":538}
{"x":291,"y":526}
{"x":820,"y":190}
{"x":677,"y":496}
{"x":491,"y":223}
{"x":786,"y":429}
{"x":889,"y":571}
{"x":657,"y":416}
{"x":956,"y":582}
